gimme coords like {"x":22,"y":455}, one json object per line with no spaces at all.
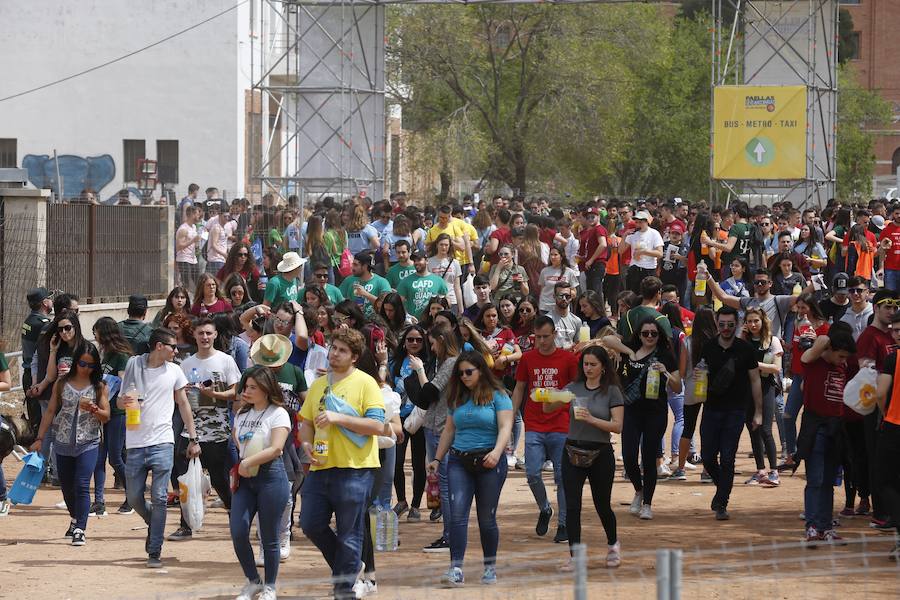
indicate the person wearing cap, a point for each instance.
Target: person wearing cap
{"x":217,"y":243}
{"x":219,"y":375}
{"x":41,"y":306}
{"x":364,"y":286}
{"x":835,"y":305}
{"x":592,"y":252}
{"x":134,"y":329}
{"x":646,"y":247}
{"x":417,"y":289}
{"x":889,"y":247}
{"x":284,"y":287}
{"x":343,"y":415}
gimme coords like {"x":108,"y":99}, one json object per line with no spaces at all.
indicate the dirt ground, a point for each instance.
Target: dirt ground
{"x":755,"y":554}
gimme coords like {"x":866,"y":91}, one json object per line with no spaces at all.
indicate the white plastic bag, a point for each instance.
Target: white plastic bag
{"x":468,"y":291}
{"x":316,"y":358}
{"x":414,"y":420}
{"x":190,"y":489}
{"x":859,"y":393}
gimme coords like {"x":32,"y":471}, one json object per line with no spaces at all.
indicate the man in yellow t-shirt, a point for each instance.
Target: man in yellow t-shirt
{"x":342,"y":472}
{"x":447,"y":224}
{"x":470,"y":238}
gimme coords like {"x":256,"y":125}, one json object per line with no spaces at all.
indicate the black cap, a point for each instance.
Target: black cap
{"x":137,"y":303}
{"x":37,"y":295}
{"x":417,"y":255}
{"x":840,"y":283}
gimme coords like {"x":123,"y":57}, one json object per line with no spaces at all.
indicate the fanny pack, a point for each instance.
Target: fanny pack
{"x":581,"y":457}
{"x":473,"y":460}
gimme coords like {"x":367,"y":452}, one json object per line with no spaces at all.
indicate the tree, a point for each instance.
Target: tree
{"x":859,"y":110}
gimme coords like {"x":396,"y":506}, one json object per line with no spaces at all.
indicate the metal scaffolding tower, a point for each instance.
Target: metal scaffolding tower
{"x":783,"y":42}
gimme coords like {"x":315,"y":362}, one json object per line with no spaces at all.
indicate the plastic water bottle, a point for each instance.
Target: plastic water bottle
{"x":584,"y":333}
{"x":193,"y":390}
{"x":388,"y":530}
{"x":432,"y":491}
{"x":132,"y":408}
{"x":700,"y":280}
{"x":551,"y":395}
{"x":652,"y":389}
{"x":804,"y":326}
{"x":797,"y":290}
{"x":374,"y":528}
{"x":701,"y":381}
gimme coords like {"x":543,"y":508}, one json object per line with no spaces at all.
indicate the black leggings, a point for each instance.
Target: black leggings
{"x":761,"y":438}
{"x":691,"y":414}
{"x":855,"y":461}
{"x":642,"y":429}
{"x":215,"y":458}
{"x":418,"y":468}
{"x":601,"y":475}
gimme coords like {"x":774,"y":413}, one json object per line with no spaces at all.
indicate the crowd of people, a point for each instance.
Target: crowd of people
{"x":303,"y":351}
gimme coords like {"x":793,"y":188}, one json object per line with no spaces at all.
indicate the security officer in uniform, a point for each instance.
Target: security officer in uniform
{"x":41,"y":305}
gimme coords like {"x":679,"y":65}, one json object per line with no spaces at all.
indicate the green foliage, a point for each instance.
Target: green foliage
{"x":847,"y":42}
{"x":859,"y":109}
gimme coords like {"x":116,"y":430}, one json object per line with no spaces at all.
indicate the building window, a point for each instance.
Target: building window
{"x":167,"y":160}
{"x":8,"y":158}
{"x":132,"y":151}
{"x":854,"y":45}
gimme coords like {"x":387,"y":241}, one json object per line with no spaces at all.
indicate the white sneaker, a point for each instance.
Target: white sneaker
{"x":217,"y":503}
{"x":663,"y":471}
{"x":548,"y":466}
{"x":511,"y":461}
{"x":249,"y":591}
{"x":636,"y":503}
{"x":690,"y":466}
{"x":61,"y":505}
{"x":4,"y":508}
{"x":646,"y":514}
{"x":260,"y":560}
{"x":268,"y":593}
{"x":364,"y":587}
{"x":285,"y":550}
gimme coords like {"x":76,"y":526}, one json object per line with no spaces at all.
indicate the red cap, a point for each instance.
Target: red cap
{"x":676,"y":226}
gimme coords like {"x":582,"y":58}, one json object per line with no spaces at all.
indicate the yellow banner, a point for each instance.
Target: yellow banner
{"x":759,"y":132}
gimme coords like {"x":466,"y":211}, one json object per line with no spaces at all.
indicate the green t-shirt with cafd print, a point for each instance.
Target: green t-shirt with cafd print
{"x":417,"y":290}
{"x":279,"y":290}
{"x":398,"y":273}
{"x":376,"y":286}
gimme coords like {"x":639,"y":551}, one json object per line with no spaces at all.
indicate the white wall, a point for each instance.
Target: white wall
{"x":188,"y":88}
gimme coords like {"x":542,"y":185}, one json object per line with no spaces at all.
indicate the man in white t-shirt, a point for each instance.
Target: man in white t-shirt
{"x":646,"y":246}
{"x":186,"y":239}
{"x":216,"y":244}
{"x":211,"y":388}
{"x":156,"y":385}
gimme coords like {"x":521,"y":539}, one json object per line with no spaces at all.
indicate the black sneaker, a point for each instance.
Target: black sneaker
{"x":543,"y":523}
{"x":98,"y":509}
{"x":118,"y":483}
{"x":561,"y":535}
{"x":435,"y":515}
{"x":71,"y":530}
{"x":722,"y":514}
{"x":125,"y":509}
{"x":414,"y":515}
{"x":78,"y":537}
{"x":153,"y":562}
{"x":695,"y":459}
{"x":400,"y":508}
{"x":180,"y":534}
{"x":438,"y":545}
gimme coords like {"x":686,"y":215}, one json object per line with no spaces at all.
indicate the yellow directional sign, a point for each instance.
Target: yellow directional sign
{"x":759,"y":132}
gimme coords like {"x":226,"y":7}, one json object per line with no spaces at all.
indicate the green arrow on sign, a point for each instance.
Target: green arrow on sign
{"x":759,"y":151}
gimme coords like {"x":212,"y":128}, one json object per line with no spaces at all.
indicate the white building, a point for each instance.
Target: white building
{"x":181,"y":102}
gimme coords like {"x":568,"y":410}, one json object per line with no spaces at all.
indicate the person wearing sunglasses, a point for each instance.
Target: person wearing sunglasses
{"x":777,"y":307}
{"x":320,"y":275}
{"x":474,"y":439}
{"x":567,"y":323}
{"x":734,"y":391}
{"x":646,"y":410}
{"x":860,"y":310}
{"x":78,"y":408}
{"x":160,"y":386}
{"x":888,"y":436}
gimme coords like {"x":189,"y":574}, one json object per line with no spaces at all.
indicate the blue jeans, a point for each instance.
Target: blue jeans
{"x":111,"y":445}
{"x":541,"y":446}
{"x":384,"y":478}
{"x":485,"y":488}
{"x":676,"y":403}
{"x":431,"y":443}
{"x":47,"y":449}
{"x":720,"y":432}
{"x":892,"y":279}
{"x":791,"y":411}
{"x":156,"y":460}
{"x":342,"y":493}
{"x":821,"y":470}
{"x":264,"y":495}
{"x":518,"y":426}
{"x":75,"y":480}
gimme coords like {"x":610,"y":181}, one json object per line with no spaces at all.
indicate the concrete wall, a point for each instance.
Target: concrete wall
{"x":187,"y":89}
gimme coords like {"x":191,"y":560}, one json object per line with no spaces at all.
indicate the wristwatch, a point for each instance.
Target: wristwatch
{"x":193,"y":440}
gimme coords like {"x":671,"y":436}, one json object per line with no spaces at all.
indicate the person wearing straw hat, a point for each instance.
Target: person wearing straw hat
{"x":284,"y":286}
{"x":273,"y":351}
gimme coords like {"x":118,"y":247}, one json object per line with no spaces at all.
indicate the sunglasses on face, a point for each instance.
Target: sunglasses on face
{"x":564,"y":296}
{"x":321,"y":275}
{"x":761,"y":282}
{"x":650,"y":334}
{"x":87,"y":365}
{"x":67,"y":328}
{"x":728,"y":325}
{"x":857,"y":290}
{"x":466,"y":372}
{"x":414,"y":340}
{"x":525,"y":310}
{"x":244,"y":254}
{"x":174,"y":347}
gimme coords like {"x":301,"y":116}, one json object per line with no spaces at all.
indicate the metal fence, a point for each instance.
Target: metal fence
{"x":105,"y":253}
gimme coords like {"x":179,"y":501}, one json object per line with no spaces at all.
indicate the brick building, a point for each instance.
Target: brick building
{"x":876,"y":24}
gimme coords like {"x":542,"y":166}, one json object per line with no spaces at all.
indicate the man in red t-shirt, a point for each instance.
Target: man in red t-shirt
{"x":545,"y":433}
{"x":500,"y":237}
{"x":890,"y":247}
{"x":592,"y":253}
{"x":825,"y":373}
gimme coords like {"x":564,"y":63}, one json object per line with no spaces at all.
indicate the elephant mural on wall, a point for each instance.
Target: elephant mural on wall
{"x":77,"y":172}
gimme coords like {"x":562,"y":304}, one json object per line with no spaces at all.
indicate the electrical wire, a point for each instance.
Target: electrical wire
{"x":125,"y":56}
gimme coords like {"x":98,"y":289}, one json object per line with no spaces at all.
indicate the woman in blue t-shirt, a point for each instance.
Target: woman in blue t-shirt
{"x":479,"y":423}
